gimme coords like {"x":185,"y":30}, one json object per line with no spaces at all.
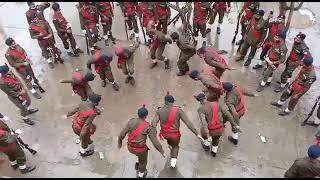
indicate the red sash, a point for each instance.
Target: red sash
{"x":19,"y":55}
{"x":164,"y":133}
{"x":58,"y":16}
{"x":39,"y":29}
{"x":255,"y":32}
{"x":85,"y":13}
{"x":147,"y":17}
{"x":240,"y":107}
{"x":78,"y":76}
{"x":77,"y":118}
{"x":16,"y":53}
{"x":7,"y":147}
{"x":107,"y":11}
{"x":8,"y":79}
{"x":294,"y":57}
{"x":217,"y":56}
{"x":214,"y":123}
{"x":296,"y":88}
{"x":273,"y":55}
{"x":162,"y":11}
{"x":200,"y":18}
{"x":217,"y":5}
{"x":129,"y":8}
{"x":121,"y":60}
{"x":137,"y":147}
{"x":155,"y":42}
{"x":274,"y":29}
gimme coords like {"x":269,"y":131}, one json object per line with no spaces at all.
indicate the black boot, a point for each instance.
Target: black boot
{"x":127,"y":79}
{"x":248,"y":62}
{"x":167,"y":64}
{"x":283,"y":113}
{"x":103,"y":83}
{"x":260,"y":88}
{"x":136,"y":166}
{"x":78,"y":51}
{"x":234,"y":141}
{"x":72,"y":54}
{"x":31,"y":111}
{"x":218,"y":30}
{"x":257,"y":66}
{"x":15,"y":167}
{"x":87,"y":153}
{"x":115,"y":86}
{"x":153,"y":64}
{"x":61,"y":61}
{"x":28,"y":121}
{"x":132,"y":81}
{"x":275,"y":103}
{"x":27,"y":169}
{"x":206,"y":148}
{"x":312,"y":123}
{"x":213,"y":154}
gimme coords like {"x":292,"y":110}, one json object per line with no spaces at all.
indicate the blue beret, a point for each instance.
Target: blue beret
{"x":143,"y":112}
{"x":194,"y":74}
{"x":227,"y":86}
{"x":308,"y":60}
{"x":4,"y":69}
{"x":89,"y":76}
{"x":95,"y":98}
{"x":282,"y":34}
{"x":169,"y":98}
{"x":314,"y":151}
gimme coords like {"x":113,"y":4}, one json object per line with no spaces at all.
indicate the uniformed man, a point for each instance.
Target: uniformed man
{"x":41,"y":31}
{"x":38,"y":11}
{"x":32,"y":11}
{"x":63,"y":28}
{"x":209,"y":79}
{"x":253,"y":38}
{"x":276,"y":56}
{"x":298,"y":52}
{"x":10,"y":147}
{"x":219,"y":8}
{"x":138,"y":129}
{"x":247,"y":12}
{"x":201,"y":13}
{"x":213,"y":115}
{"x":186,"y":52}
{"x":125,"y":61}
{"x":129,"y":10}
{"x":80,"y":83}
{"x":89,"y":20}
{"x":105,"y":12}
{"x":18,"y":59}
{"x":235,"y":102}
{"x":306,"y":167}
{"x":147,"y":12}
{"x":316,"y":121}
{"x":275,"y":27}
{"x":103,"y":67}
{"x":164,"y":14}
{"x":169,"y":116}
{"x":158,"y":44}
{"x":16,"y":93}
{"x":213,"y":58}
{"x":305,"y":78}
{"x":82,"y":124}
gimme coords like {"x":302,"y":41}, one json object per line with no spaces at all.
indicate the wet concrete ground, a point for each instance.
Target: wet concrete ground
{"x":54,"y":139}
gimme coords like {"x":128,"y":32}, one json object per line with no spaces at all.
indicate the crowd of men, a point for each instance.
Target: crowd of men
{"x":154,"y":18}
